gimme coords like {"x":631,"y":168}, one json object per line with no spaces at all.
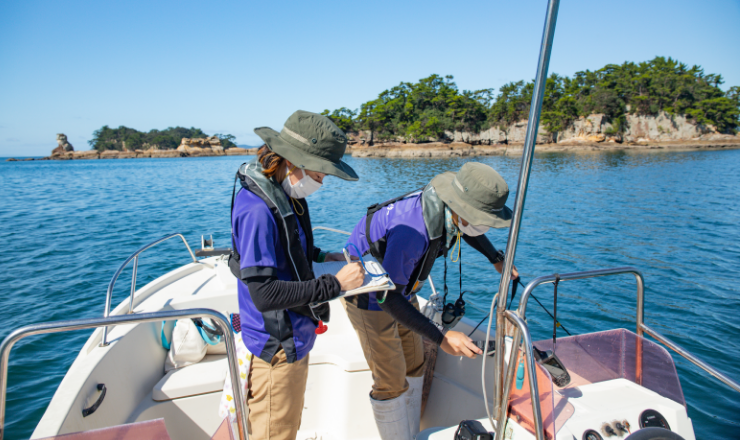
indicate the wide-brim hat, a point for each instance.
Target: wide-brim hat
{"x":310,"y":141}
{"x":477,"y":193}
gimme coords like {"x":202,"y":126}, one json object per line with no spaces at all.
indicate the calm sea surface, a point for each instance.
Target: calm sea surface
{"x":67,"y":226}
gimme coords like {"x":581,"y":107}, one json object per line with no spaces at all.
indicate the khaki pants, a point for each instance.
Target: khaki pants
{"x":392,"y":351}
{"x":275,"y":397}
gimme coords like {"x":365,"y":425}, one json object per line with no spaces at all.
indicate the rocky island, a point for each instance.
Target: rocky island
{"x":660,"y":104}
{"x":189,"y":147}
{"x":656,"y":104}
{"x":127,"y":143}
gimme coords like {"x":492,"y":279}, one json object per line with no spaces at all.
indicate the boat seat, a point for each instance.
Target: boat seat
{"x":207,"y":376}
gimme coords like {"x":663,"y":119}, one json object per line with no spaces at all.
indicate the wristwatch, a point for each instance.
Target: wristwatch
{"x":499,"y":257}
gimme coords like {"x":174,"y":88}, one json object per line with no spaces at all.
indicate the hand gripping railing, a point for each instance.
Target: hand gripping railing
{"x":81,"y":324}
{"x":135,"y":258}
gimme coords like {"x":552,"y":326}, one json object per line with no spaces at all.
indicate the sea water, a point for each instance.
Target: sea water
{"x":67,"y":226}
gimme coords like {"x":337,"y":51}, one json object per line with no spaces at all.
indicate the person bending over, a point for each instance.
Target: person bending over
{"x":406,"y":236}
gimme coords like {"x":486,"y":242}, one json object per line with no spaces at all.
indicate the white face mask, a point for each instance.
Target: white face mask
{"x":303,"y":188}
{"x":472,"y":230}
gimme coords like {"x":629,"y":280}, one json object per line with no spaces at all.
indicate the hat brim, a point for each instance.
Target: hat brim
{"x":443,"y":185}
{"x":302,"y":159}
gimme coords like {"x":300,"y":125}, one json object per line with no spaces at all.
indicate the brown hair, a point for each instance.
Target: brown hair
{"x":271,"y":162}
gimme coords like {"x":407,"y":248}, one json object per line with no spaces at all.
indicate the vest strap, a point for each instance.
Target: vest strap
{"x":377,"y":248}
{"x":432,"y":211}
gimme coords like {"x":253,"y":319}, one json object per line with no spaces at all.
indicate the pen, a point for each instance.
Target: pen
{"x":346,"y":255}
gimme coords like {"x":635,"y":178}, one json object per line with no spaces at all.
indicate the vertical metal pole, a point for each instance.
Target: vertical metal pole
{"x":640,"y":302}
{"x":639,"y":319}
{"x":521,"y":192}
{"x":133,"y":285}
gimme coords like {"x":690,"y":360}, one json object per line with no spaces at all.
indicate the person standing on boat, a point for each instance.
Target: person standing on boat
{"x":273,"y":256}
{"x":406,"y":235}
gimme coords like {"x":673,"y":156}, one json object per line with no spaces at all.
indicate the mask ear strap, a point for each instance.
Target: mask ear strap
{"x":290,"y":171}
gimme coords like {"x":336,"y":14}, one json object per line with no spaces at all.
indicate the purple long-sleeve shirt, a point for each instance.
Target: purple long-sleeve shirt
{"x":402,"y":223}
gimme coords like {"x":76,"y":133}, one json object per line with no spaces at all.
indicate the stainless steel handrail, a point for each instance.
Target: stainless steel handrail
{"x":81,"y":324}
{"x":522,"y":310}
{"x":641,"y":326}
{"x":548,"y":34}
{"x":135,"y":258}
{"x":331,"y":229}
{"x":699,"y":363}
{"x":522,"y":332}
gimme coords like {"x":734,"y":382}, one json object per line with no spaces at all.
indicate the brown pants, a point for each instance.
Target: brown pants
{"x":275,"y":397}
{"x":392,"y":351}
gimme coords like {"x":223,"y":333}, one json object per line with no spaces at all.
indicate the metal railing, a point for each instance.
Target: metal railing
{"x":641,"y":326}
{"x":339,"y":231}
{"x":521,"y":313}
{"x":81,"y":324}
{"x":135,"y":258}
{"x":522,"y":331}
{"x":688,"y":356}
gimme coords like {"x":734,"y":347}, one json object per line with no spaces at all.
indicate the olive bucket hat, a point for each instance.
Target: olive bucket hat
{"x":310,"y":141}
{"x":476,"y":193}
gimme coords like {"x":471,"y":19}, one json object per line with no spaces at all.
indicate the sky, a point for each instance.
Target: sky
{"x":228,"y":67}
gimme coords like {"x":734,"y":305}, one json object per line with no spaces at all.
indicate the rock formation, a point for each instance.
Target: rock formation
{"x":63,"y":146}
{"x":210,"y":146}
{"x":591,"y":129}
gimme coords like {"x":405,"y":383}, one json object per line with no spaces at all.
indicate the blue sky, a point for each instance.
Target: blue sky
{"x":227,"y":67}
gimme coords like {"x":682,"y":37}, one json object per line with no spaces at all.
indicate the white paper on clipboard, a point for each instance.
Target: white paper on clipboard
{"x":370,"y":284}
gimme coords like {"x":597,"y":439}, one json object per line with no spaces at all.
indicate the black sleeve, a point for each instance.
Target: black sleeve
{"x":401,"y":310}
{"x":315,"y":254}
{"x":268,"y":293}
{"x":482,"y":244}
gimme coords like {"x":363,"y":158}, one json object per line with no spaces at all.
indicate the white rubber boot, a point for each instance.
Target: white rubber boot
{"x":413,"y":403}
{"x":392,"y":418}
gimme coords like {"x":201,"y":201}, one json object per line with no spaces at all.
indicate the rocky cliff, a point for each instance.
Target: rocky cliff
{"x":591,"y":129}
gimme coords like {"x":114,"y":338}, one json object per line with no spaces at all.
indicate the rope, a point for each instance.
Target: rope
{"x":547,"y":311}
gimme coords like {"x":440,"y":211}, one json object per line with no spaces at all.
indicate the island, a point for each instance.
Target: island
{"x":128,"y":143}
{"x":660,"y":104}
{"x":656,"y":104}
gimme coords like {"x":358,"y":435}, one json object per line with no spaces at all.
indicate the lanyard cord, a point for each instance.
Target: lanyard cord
{"x":460,"y":261}
{"x":295,"y":208}
{"x":444,"y":298}
{"x":459,"y":246}
{"x":457,"y":260}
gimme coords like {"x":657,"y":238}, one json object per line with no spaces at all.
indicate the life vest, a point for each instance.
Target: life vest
{"x":301,"y":267}
{"x":434,"y":218}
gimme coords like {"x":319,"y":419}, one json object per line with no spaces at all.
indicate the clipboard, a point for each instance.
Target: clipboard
{"x":370,"y":284}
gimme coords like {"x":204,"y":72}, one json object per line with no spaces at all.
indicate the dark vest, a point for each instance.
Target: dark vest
{"x":433,"y":214}
{"x":277,"y":323}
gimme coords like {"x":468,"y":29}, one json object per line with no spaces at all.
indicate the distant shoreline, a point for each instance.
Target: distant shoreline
{"x":427,"y":150}
{"x":461,"y":149}
{"x":142,"y":154}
